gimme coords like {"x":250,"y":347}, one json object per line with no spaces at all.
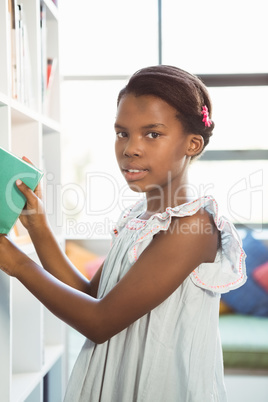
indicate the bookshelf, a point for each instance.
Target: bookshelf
{"x":32,"y":340}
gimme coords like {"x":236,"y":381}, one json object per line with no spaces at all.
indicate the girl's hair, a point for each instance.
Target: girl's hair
{"x":180,"y":89}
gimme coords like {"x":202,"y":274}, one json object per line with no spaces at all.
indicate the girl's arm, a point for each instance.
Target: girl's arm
{"x":162,"y":267}
{"x":55,"y":261}
{"x":64,"y":301}
{"x":49,"y":252}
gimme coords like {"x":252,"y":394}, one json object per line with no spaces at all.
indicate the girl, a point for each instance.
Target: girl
{"x":150,"y":313}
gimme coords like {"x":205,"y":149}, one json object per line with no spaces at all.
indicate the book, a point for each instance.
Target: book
{"x":12,"y":201}
{"x":49,"y":99}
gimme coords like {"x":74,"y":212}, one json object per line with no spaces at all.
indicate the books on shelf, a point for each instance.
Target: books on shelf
{"x":48,"y":64}
{"x":12,"y":201}
{"x":51,"y":71}
{"x":20,"y":61}
{"x":43,"y":49}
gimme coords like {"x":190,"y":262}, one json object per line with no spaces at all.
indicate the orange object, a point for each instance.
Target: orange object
{"x":79,"y":256}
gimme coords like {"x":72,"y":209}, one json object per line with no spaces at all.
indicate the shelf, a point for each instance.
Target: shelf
{"x":3,"y":48}
{"x":51,"y":355}
{"x":21,"y":113}
{"x":23,"y":384}
{"x":32,"y":341}
{"x":49,"y":125}
{"x":52,"y":10}
{"x":3,"y":99}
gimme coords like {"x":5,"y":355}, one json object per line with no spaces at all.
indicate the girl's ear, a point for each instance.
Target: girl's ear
{"x":196,"y":144}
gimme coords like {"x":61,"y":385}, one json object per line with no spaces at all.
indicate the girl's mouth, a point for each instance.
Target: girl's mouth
{"x":134,"y":174}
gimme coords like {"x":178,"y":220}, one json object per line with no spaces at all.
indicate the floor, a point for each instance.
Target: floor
{"x":240,"y":388}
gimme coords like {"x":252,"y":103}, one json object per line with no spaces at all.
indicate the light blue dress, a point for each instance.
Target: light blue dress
{"x":172,"y":354}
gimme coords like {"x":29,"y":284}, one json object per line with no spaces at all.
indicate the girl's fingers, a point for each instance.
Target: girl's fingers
{"x":38,"y":190}
{"x":25,"y":190}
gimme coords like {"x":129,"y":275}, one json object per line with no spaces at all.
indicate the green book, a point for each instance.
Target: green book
{"x":12,"y":201}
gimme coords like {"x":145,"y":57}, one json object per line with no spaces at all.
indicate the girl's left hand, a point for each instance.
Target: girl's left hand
{"x":33,"y":215}
{"x":12,"y":258}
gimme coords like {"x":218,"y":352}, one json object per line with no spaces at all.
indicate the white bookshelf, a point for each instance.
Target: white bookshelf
{"x":32,"y":340}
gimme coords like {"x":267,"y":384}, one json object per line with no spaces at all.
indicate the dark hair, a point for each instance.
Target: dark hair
{"x":180,"y":89}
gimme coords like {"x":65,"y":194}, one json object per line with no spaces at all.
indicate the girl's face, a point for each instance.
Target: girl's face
{"x":151,"y":147}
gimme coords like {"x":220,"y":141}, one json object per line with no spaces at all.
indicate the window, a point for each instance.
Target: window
{"x":215,"y":37}
{"x":223,"y":43}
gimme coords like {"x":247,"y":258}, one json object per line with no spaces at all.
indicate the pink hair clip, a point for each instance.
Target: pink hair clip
{"x":206,"y":118}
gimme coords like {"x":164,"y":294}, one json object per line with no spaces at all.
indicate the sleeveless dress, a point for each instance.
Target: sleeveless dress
{"x":173,"y":353}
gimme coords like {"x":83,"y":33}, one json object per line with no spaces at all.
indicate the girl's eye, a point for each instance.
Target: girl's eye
{"x":121,"y":135}
{"x":153,"y":135}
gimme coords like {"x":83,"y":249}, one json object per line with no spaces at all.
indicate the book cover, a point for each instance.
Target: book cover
{"x":12,"y":201}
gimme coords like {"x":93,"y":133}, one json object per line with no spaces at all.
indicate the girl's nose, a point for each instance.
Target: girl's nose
{"x":132,"y":148}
